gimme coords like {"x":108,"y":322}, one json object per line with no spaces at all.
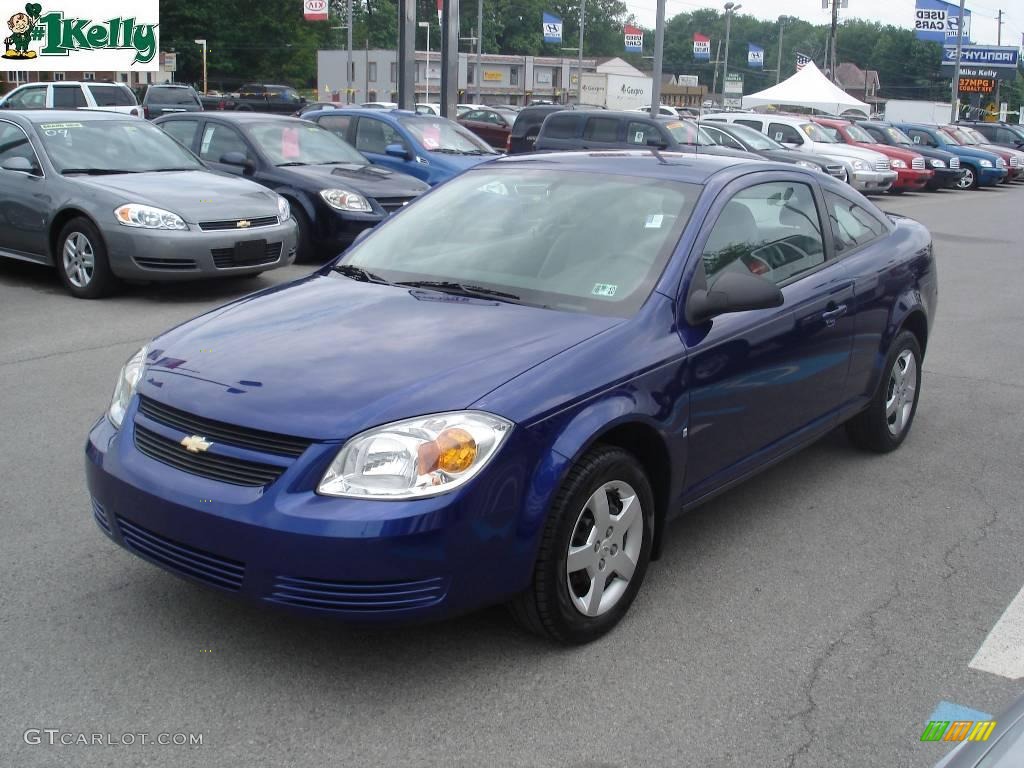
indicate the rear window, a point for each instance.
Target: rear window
{"x":176,"y":96}
{"x":560,"y":127}
{"x":68,"y":97}
{"x":112,"y":96}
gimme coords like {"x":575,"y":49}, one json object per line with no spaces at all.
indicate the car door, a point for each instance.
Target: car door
{"x":373,"y":136}
{"x":218,"y":139}
{"x":763,"y":382}
{"x":24,"y":200}
{"x":602,"y":133}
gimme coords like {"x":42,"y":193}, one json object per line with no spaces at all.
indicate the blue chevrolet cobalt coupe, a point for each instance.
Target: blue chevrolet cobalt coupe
{"x":503,"y":392}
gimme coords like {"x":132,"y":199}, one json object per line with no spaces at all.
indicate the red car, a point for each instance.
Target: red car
{"x":1013,"y":158}
{"x":912,"y":172}
{"x":492,"y":125}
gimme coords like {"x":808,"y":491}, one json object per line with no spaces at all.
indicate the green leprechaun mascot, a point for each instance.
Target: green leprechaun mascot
{"x":21,"y":25}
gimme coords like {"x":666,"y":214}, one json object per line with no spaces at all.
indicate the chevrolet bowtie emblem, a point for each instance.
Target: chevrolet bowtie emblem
{"x":243,"y":223}
{"x":195,"y":443}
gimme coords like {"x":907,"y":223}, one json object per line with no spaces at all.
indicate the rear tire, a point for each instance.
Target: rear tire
{"x":603,"y":517}
{"x":81,"y":258}
{"x":885,"y":424}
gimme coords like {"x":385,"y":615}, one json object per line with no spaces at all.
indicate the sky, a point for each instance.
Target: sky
{"x":897,"y":12}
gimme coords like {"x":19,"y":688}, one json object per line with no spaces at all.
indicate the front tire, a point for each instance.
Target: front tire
{"x":594,"y":550}
{"x":969,"y":180}
{"x":82,"y":260}
{"x":304,"y":234}
{"x":885,"y":424}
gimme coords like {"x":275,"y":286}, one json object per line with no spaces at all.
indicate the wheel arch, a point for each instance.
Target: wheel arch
{"x":59,"y":221}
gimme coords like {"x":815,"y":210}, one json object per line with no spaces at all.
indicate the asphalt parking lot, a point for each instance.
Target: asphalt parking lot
{"x":815,"y":616}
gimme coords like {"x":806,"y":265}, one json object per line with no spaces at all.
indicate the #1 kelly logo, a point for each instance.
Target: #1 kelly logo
{"x":116,"y":42}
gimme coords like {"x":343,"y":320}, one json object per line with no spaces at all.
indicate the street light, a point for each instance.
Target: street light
{"x":426,"y":26}
{"x":202,"y":42}
{"x":730,"y":9}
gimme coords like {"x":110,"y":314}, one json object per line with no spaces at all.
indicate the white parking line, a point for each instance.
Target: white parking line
{"x":1002,"y":653}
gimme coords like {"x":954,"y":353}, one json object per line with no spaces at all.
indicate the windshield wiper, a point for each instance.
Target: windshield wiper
{"x":449,"y":286}
{"x":358,"y":273}
{"x":97,"y":171}
{"x":448,"y":151}
{"x":477,"y":152}
{"x":168,"y":170}
{"x":346,"y":163}
{"x":291,"y":162}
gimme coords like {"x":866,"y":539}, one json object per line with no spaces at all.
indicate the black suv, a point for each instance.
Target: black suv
{"x":1004,"y":134}
{"x":527,"y":126}
{"x":601,"y":129}
{"x":168,"y":99}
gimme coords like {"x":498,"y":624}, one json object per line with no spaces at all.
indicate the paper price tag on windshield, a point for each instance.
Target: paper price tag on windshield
{"x":604,"y":289}
{"x":58,"y":126}
{"x":432,"y":136}
{"x":290,"y":143}
{"x":654,"y":221}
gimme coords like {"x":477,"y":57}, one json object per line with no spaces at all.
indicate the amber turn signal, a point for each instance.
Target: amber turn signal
{"x":454,"y":450}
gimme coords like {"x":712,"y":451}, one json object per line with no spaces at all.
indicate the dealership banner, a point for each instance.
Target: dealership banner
{"x":755,"y":56}
{"x":999,"y":56}
{"x":552,"y":28}
{"x":701,"y":47}
{"x":314,"y":10}
{"x":939,"y":22}
{"x":82,"y":35}
{"x":634,"y":37}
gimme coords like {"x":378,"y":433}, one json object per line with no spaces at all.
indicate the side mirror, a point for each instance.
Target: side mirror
{"x":397,"y":150}
{"x":303,"y":100}
{"x":732,"y":292}
{"x":239,"y":159}
{"x":21,"y":164}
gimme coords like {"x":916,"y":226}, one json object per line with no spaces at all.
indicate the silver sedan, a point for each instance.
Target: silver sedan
{"x":103,"y":197}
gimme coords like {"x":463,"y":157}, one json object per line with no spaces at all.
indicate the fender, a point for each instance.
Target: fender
{"x":909,"y":309}
{"x":296,"y":197}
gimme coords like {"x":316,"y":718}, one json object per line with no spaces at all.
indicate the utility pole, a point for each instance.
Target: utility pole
{"x":778,"y":63}
{"x":832,"y":39}
{"x":659,"y":52}
{"x":718,"y":57}
{"x":956,"y":72}
{"x":579,"y":61}
{"x":348,"y":58}
{"x":999,"y":41}
{"x":479,"y":50}
{"x":729,"y":8}
{"x":202,"y":42}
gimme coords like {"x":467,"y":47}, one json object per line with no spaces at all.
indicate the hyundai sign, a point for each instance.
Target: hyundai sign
{"x":938,"y":21}
{"x":1000,"y":56}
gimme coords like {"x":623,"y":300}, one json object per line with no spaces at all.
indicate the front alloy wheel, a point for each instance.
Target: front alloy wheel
{"x":967,"y":181}
{"x":81,"y":260}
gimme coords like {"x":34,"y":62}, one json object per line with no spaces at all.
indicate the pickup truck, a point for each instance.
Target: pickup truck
{"x":255,"y":97}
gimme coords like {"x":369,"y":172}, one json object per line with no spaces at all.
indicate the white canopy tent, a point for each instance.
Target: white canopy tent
{"x":808,"y":88}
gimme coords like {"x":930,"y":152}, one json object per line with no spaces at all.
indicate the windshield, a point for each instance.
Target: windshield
{"x":438,"y":134}
{"x":816,"y":132}
{"x":297,"y":142}
{"x":974,"y":133}
{"x":898,"y":136}
{"x":753,"y":139}
{"x":113,"y":146}
{"x":580,"y":242}
{"x":687,"y":133}
{"x":171,"y":96}
{"x":832,"y":133}
{"x":857,"y":133}
{"x":960,"y":135}
{"x":942,"y":139}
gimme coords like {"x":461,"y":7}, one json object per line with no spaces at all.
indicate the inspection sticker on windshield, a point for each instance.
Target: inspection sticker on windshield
{"x":654,"y":221}
{"x":604,"y":289}
{"x":57,"y":126}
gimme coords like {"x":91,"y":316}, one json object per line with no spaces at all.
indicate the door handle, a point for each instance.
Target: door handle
{"x":831,"y":315}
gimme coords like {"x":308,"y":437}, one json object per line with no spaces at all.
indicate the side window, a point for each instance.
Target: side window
{"x":852,"y":225}
{"x":375,"y":135}
{"x":477,"y":115}
{"x":30,"y":98}
{"x":1005,"y":136}
{"x":68,"y":97}
{"x":876,"y":133}
{"x":641,"y":133}
{"x":560,"y":127}
{"x":182,"y":131}
{"x":601,"y":129}
{"x":218,"y":140}
{"x":783,"y":133}
{"x":14,"y":143}
{"x":755,"y":124}
{"x":336,"y":124}
{"x":772,"y":230}
{"x":922,"y":138}
{"x":112,"y":96}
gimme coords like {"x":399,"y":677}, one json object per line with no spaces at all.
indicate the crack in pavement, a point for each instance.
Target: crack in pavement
{"x":3,"y":363}
{"x":981,"y":531}
{"x":804,"y":715}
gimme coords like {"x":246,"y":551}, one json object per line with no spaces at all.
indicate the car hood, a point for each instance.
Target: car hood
{"x":327,"y":357}
{"x":193,"y":195}
{"x":938,"y":154}
{"x":889,"y":150}
{"x":371,"y":180}
{"x":846,"y":150}
{"x":459,"y":162}
{"x":964,"y":150}
{"x":704,"y":149}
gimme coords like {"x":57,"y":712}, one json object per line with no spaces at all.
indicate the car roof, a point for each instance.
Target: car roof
{"x":36,"y":116}
{"x":677,"y":166}
{"x":232,"y":116}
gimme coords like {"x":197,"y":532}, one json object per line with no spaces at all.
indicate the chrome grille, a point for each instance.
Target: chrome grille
{"x":954,"y":163}
{"x":917,"y":164}
{"x":392,"y":204}
{"x":356,"y":596}
{"x":225,"y":469}
{"x":259,"y":221}
{"x":1014,"y":161}
{"x":182,"y":559}
{"x":224,"y":258}
{"x":882,"y":165}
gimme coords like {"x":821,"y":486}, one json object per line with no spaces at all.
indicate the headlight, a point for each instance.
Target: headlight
{"x":805,"y":164}
{"x":897,"y":163}
{"x":415,"y":458}
{"x":986,"y":163}
{"x":148,"y":217}
{"x":343,"y":200}
{"x":127,"y":381}
{"x":860,"y":165}
{"x":284,"y":211}
{"x":936,"y":163}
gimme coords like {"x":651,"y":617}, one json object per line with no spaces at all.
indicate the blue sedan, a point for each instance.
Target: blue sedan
{"x":431,"y":148}
{"x":448,"y":417}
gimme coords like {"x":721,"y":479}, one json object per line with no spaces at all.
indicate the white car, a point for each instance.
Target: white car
{"x":664,"y":110}
{"x":424,"y":108}
{"x":70,"y":94}
{"x":379,"y":105}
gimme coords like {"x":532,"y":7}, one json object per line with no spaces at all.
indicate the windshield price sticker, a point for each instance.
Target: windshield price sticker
{"x":47,"y":127}
{"x":654,"y":221}
{"x":604,"y":289}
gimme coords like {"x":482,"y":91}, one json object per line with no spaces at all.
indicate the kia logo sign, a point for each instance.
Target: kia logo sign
{"x":314,"y":10}
{"x":316,"y":5}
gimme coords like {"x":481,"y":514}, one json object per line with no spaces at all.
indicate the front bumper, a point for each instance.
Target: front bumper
{"x":945,"y":177}
{"x":989,"y":177}
{"x":911,"y":179}
{"x":155,"y":254}
{"x":284,"y":545}
{"x":872,"y":181}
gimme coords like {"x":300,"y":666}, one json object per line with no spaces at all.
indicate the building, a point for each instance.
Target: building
{"x":134,"y":79}
{"x":682,"y":91}
{"x":503,"y":79}
{"x":859,"y":83}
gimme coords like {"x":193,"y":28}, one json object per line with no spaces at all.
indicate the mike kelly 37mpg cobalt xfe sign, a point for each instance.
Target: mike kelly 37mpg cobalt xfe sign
{"x":86,"y":35}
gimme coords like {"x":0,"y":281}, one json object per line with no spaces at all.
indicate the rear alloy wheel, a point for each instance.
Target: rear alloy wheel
{"x":594,"y":550}
{"x":886,"y":422}
{"x":968,"y":180}
{"x":82,"y":260}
